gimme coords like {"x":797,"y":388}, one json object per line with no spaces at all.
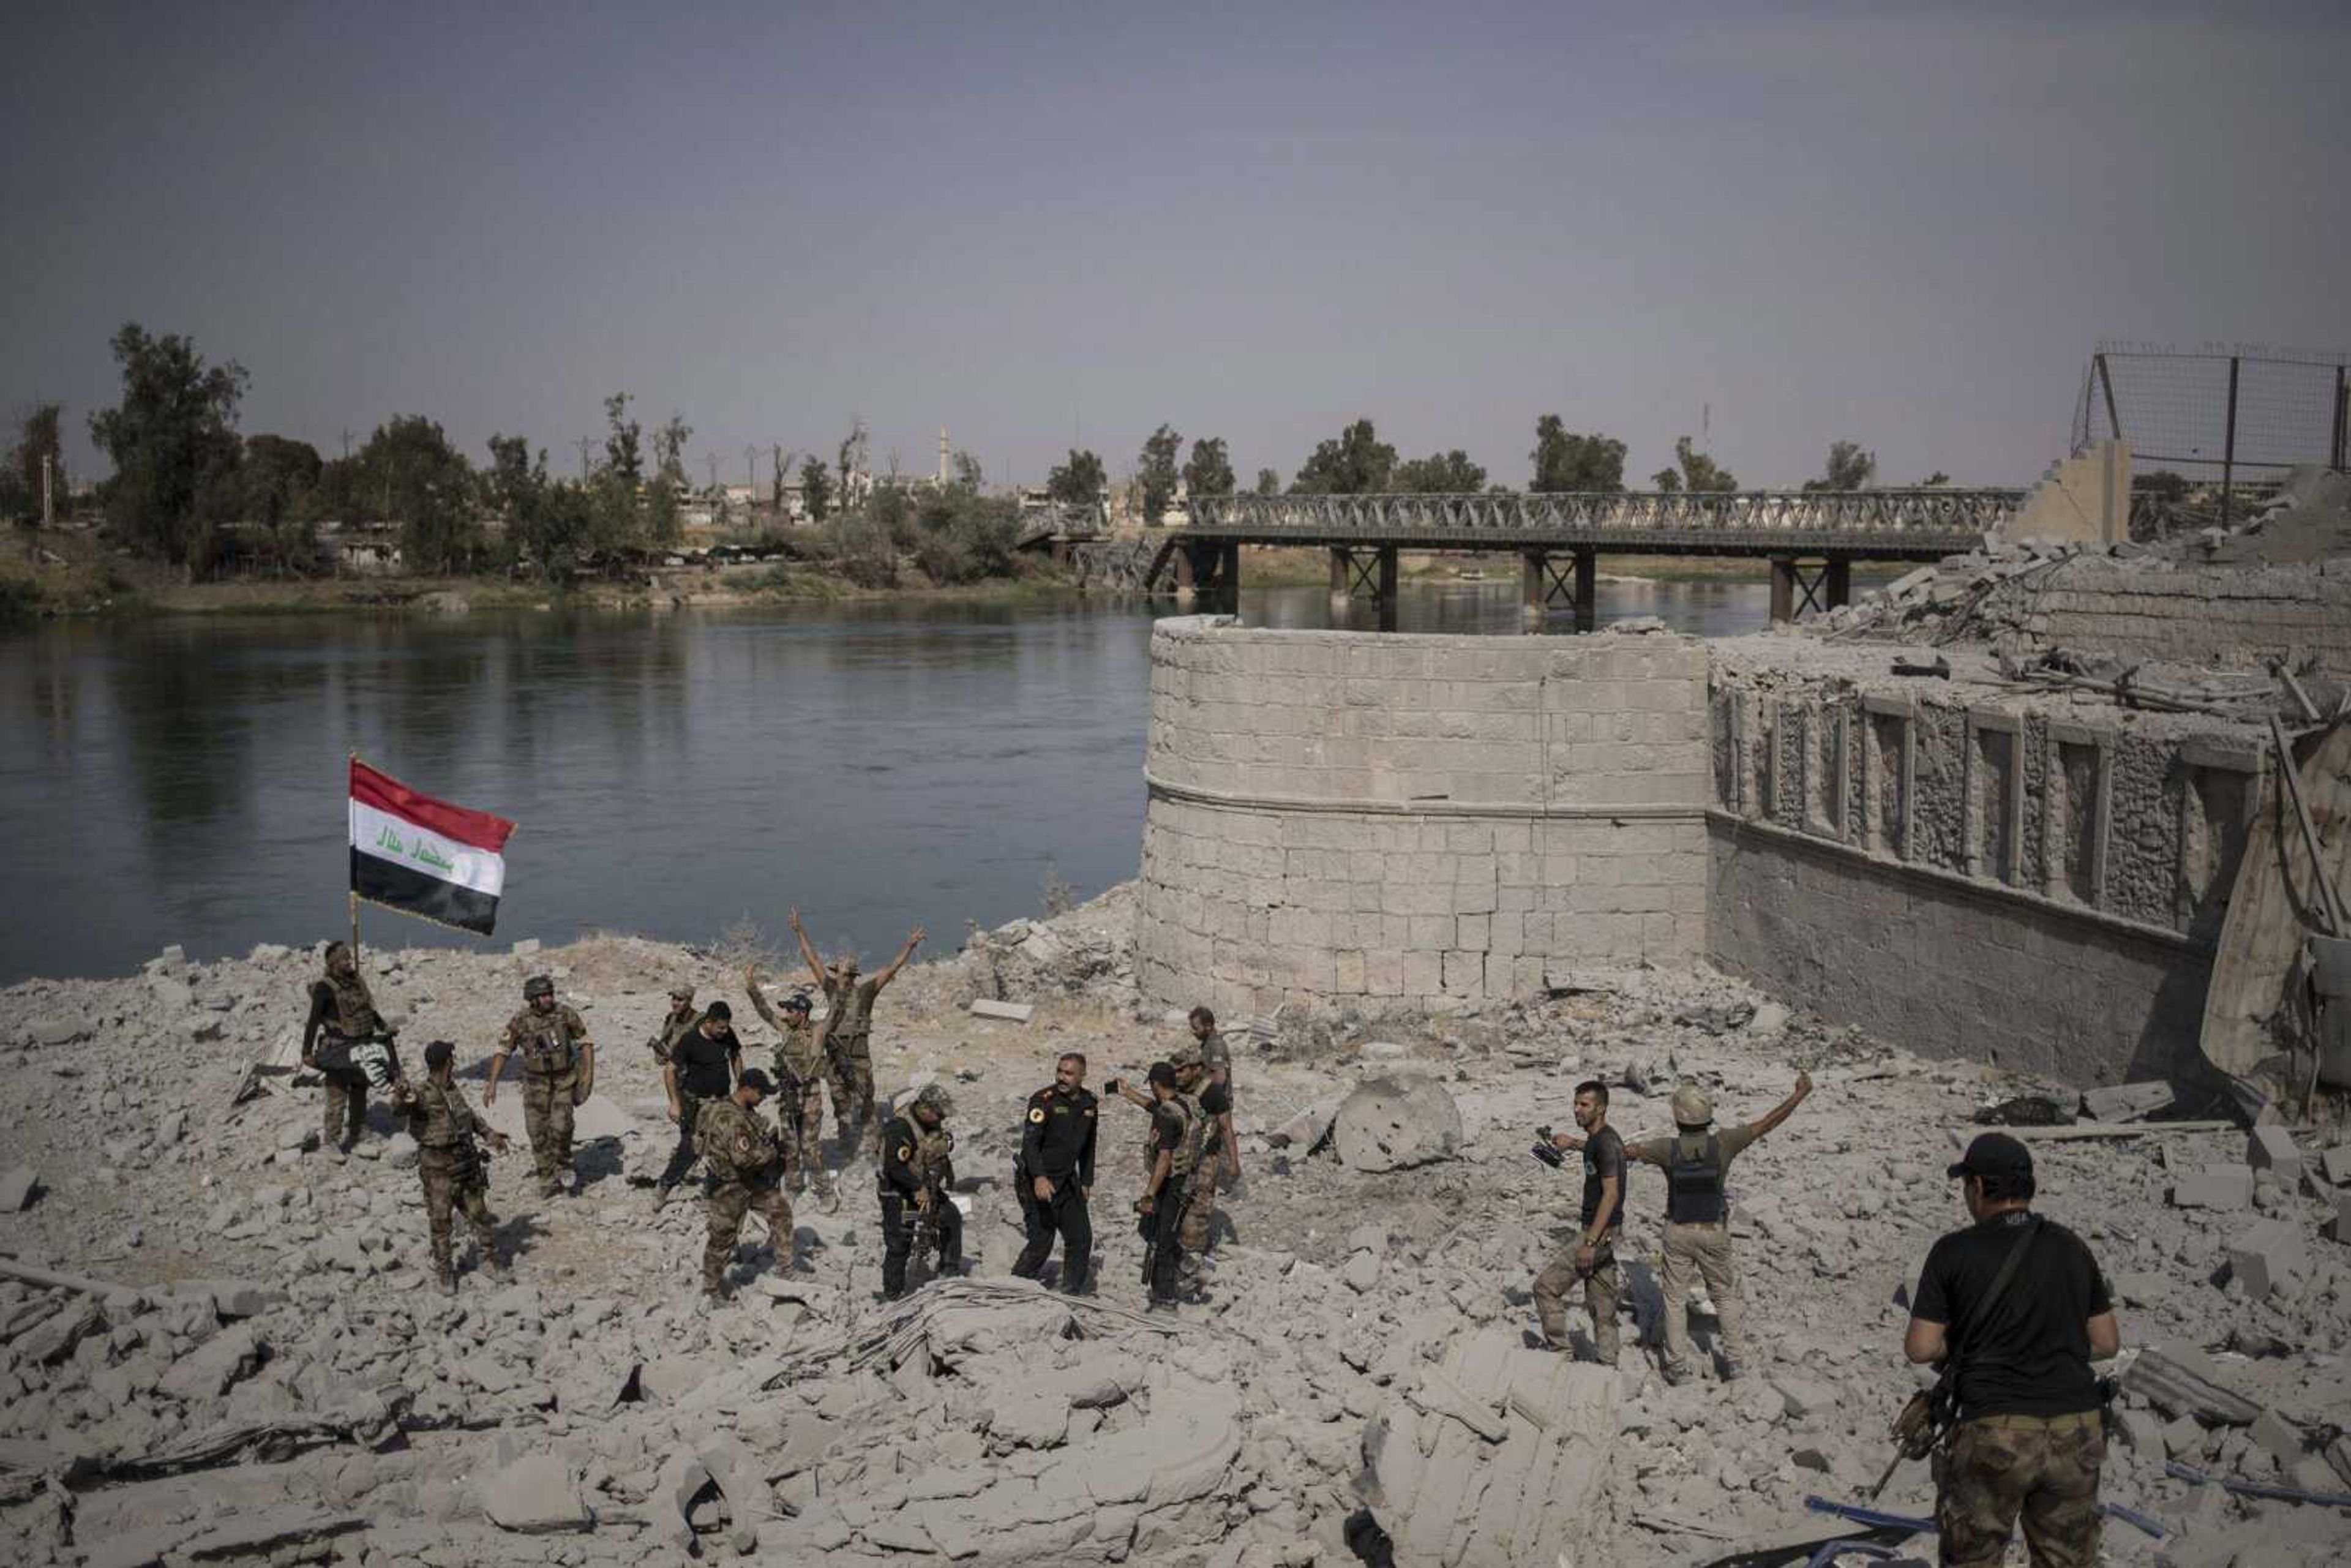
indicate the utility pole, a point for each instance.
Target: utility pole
{"x":586,"y":445}
{"x":347,"y":444}
{"x":751,"y":468}
{"x":48,"y":509}
{"x":711,"y":459}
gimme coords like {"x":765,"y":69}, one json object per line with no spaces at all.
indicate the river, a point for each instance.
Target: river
{"x":879,"y":765}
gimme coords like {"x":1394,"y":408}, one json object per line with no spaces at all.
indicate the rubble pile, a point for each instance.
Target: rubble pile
{"x":217,"y":1345}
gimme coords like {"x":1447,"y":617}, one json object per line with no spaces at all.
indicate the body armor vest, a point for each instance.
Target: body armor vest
{"x":1694,"y":1183}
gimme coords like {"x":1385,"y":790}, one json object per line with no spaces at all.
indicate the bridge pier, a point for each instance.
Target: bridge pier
{"x":1372,"y":573}
{"x":1546,"y":585}
{"x":1794,"y":589}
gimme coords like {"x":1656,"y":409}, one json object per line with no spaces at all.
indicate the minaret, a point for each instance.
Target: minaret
{"x":943,"y":455}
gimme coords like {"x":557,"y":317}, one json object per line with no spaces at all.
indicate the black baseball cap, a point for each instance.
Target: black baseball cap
{"x":1994,"y":1154}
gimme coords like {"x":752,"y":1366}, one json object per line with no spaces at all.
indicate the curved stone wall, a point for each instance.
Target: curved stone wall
{"x":1390,"y":821}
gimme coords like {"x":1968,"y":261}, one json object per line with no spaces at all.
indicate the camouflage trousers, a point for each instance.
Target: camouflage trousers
{"x":346,"y":1100}
{"x":547,"y":1116}
{"x":1701,"y":1252}
{"x":728,"y":1202}
{"x":1199,"y":1218}
{"x":801,"y":1112}
{"x":851,"y":1069}
{"x":2044,"y":1468}
{"x":1604,"y":1287}
{"x":444,"y":1197}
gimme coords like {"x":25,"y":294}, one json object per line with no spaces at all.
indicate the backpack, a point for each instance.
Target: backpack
{"x":1185,"y":1158}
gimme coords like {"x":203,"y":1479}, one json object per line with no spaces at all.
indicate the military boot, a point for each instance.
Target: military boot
{"x":445,"y":1280}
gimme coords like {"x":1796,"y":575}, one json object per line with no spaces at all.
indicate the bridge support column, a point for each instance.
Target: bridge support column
{"x":1587,"y":589}
{"x":1182,"y":565}
{"x":1784,"y":589}
{"x":1228,"y":578}
{"x":1840,"y":583}
{"x":1548,"y":584}
{"x":1342,"y":564}
{"x":1387,"y":588}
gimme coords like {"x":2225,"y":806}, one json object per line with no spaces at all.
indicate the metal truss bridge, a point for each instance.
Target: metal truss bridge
{"x":1812,"y":538}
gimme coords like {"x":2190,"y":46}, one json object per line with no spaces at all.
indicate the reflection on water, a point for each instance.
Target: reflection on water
{"x":181,"y":780}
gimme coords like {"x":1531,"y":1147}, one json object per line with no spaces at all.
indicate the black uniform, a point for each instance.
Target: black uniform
{"x":1058,"y":1144}
{"x":705,"y":1072}
{"x":906,"y":1170}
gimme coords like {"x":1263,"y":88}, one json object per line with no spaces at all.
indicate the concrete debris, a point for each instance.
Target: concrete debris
{"x":275,"y":1353}
{"x":2226,"y":1187}
{"x":1387,"y":1125}
{"x":2335,"y":1163}
{"x":2126,"y":1102}
{"x":1011,"y":1012}
{"x":2266,"y":1256}
{"x":2272,"y":1148}
{"x":536,"y":1495}
{"x":18,"y":1184}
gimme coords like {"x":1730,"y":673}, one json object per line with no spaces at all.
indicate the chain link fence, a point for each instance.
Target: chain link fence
{"x":2210,"y":431}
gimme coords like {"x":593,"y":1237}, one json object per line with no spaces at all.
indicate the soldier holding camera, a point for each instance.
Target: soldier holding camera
{"x":1591,"y":1257}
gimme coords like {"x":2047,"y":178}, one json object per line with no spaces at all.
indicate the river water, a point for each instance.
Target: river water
{"x":879,"y":765}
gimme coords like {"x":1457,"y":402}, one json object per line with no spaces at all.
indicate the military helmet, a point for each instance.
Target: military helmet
{"x":935,"y":1096}
{"x":537,"y":986}
{"x":1692,"y":1108}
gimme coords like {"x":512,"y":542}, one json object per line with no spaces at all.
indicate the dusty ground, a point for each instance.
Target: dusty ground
{"x":557,"y":1419}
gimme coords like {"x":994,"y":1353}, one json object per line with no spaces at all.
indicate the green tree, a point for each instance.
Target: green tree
{"x":1698,"y":470}
{"x":816,"y":489}
{"x":961,"y":535}
{"x":1156,"y":474}
{"x":36,"y":438}
{"x":663,"y":522}
{"x":1565,"y":461}
{"x":2161,"y":482}
{"x":1931,"y":480}
{"x":852,"y":459}
{"x":1446,"y":474}
{"x":557,"y":527}
{"x":967,"y":472}
{"x":1357,"y":464}
{"x":1078,"y":482}
{"x":172,"y":441}
{"x":428,"y":487}
{"x":1209,"y":471}
{"x":1268,"y":483}
{"x":279,"y":475}
{"x":1847,"y":467}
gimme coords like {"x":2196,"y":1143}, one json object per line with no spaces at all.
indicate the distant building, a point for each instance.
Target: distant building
{"x":361,"y":549}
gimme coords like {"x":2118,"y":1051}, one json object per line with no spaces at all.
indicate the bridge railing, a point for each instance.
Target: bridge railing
{"x":1940,"y":513}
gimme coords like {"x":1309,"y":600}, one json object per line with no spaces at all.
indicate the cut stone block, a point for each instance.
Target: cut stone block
{"x":2272,"y":1148}
{"x":2126,"y":1102}
{"x":17,"y":1186}
{"x":1011,"y":1012}
{"x":1386,"y":1125}
{"x":539,"y":1494}
{"x":2281,"y":1442}
{"x":2266,"y":1254}
{"x":2337,"y":1163}
{"x":2224,"y":1189}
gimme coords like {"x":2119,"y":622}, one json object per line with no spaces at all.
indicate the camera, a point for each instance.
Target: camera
{"x":1545,"y":1152}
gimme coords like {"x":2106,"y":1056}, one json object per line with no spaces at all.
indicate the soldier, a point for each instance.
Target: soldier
{"x":1053,"y":1174}
{"x":450,"y":1161}
{"x":680,"y":1018}
{"x":1197,"y":1082}
{"x":799,"y":1086}
{"x":1180,"y":1129}
{"x":1593,"y":1256}
{"x":1217,"y":1056}
{"x":342,"y":1011}
{"x":747,"y":1166}
{"x":849,"y":1027}
{"x":703,"y":1069}
{"x":558,"y":1068}
{"x":2019,"y":1302}
{"x":1698,"y":1218}
{"x":918,"y":1169}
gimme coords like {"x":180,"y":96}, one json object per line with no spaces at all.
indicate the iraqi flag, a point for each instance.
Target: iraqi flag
{"x":425,"y":857}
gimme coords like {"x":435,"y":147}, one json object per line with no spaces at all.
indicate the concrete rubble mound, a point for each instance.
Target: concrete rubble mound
{"x":1387,"y":1125}
{"x":218,"y":1345}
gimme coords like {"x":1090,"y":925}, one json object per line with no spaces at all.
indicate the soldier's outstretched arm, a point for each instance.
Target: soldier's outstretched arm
{"x":758,"y":997}
{"x":890,"y":971}
{"x":807,"y":948}
{"x":1785,"y":1108}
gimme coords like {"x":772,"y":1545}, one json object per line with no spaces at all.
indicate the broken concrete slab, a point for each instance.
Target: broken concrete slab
{"x":2335,"y":1165}
{"x":1445,"y":1492}
{"x":683,"y":1482}
{"x":56,"y":1029}
{"x":57,"y":1335}
{"x":2280,"y":1440}
{"x":2180,"y":1380}
{"x":213,"y":1368}
{"x":252,"y":1535}
{"x":231,"y":1299}
{"x":2126,"y":1102}
{"x":2266,"y":1255}
{"x":17,"y":1186}
{"x":1305,"y":1131}
{"x":2225,"y":1187}
{"x":1387,"y":1125}
{"x":2270,"y":1147}
{"x":539,"y":1494}
{"x":1010,"y":1012}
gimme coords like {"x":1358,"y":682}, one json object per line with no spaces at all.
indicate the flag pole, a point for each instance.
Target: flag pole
{"x":354,"y":893}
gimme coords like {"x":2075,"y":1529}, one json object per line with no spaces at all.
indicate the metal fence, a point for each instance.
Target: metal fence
{"x":2220,"y":420}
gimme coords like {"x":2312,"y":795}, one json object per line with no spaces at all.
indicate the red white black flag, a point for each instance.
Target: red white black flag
{"x":423,"y":856}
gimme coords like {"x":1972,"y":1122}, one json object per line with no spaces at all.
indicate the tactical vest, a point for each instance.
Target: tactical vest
{"x":352,"y":1014}
{"x":545,"y":1042}
{"x":1694,"y":1183}
{"x":799,"y":1056}
{"x":443,"y":1120}
{"x":932,"y":1152}
{"x":1185,"y":1158}
{"x":735,"y":1141}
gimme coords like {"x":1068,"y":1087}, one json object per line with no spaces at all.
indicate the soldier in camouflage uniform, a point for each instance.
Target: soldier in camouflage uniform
{"x":2019,"y":1307}
{"x":800,"y":1087}
{"x":917,"y":1171}
{"x":449,"y":1161}
{"x":1205,"y":1095}
{"x":1179,"y":1145}
{"x":680,"y":1018}
{"x":559,"y":1067}
{"x":849,"y":1027}
{"x":342,"y":1015}
{"x":748,"y":1164}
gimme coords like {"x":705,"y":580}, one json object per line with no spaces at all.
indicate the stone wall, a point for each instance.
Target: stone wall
{"x":1389,"y":823}
{"x":1972,"y":875}
{"x":2233,"y":617}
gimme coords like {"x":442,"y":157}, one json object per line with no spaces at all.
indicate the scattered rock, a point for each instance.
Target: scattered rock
{"x":18,"y":1187}
{"x":536,"y":1495}
{"x":1387,"y":1125}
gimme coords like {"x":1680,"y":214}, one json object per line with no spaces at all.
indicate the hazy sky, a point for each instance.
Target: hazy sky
{"x":1905,"y":224}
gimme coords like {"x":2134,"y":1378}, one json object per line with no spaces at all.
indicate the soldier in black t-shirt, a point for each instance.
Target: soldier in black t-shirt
{"x":1591,"y":1257}
{"x":704,"y":1065}
{"x":2030,"y":1438}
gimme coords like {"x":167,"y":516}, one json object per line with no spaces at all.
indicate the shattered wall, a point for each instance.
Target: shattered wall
{"x":1388,"y":821}
{"x":2230,"y":617}
{"x":1974,"y":872}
